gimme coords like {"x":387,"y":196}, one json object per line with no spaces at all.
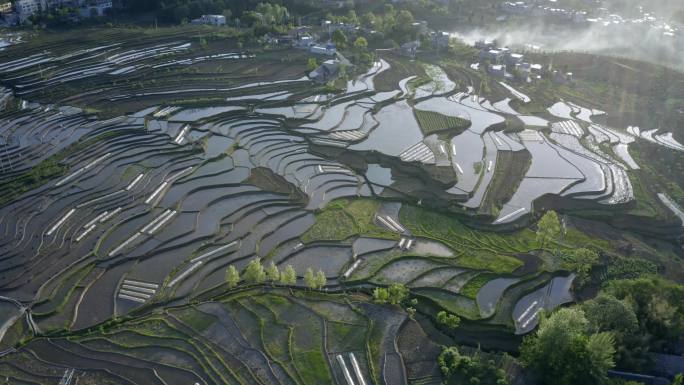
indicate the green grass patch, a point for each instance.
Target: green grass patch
{"x":475,"y":249}
{"x":312,"y":367}
{"x":472,"y":287}
{"x":497,"y":263}
{"x":344,"y":218}
{"x":432,"y":122}
{"x":344,"y":337}
{"x":574,"y":236}
{"x":195,"y":319}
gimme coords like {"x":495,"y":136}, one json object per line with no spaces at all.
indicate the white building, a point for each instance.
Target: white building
{"x":304,"y":42}
{"x":494,"y":56}
{"x":26,"y":8}
{"x":5,"y":6}
{"x":328,"y":49}
{"x":95,"y":8}
{"x":218,"y":20}
{"x":514,"y":59}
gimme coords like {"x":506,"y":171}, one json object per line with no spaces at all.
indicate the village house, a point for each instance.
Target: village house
{"x":421,"y":27}
{"x":513,"y":59}
{"x":516,"y":8}
{"x":303,"y":42}
{"x":328,"y":49}
{"x":409,"y":49}
{"x":348,"y":29}
{"x":26,"y":8}
{"x":498,"y":71}
{"x":327,"y":71}
{"x":485,"y":44}
{"x":494,"y":56}
{"x":440,"y":40}
{"x":95,"y":8}
{"x":5,"y":7}
{"x":218,"y":20}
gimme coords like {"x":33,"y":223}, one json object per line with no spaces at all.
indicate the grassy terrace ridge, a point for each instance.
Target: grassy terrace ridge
{"x":474,"y":285}
{"x":292,"y":330}
{"x":94,"y":93}
{"x":433,"y":122}
{"x":483,"y":251}
{"x":345,"y":218}
{"x":48,"y":169}
{"x":254,"y":186}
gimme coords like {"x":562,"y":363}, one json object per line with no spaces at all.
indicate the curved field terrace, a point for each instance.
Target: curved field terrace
{"x":138,"y":170}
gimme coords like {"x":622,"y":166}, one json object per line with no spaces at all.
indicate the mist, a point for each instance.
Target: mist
{"x":641,"y":42}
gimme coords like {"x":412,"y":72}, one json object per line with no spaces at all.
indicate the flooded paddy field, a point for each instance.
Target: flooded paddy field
{"x":134,"y":170}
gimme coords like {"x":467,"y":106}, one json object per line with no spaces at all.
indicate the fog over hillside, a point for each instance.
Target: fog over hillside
{"x":637,"y":42}
{"x":650,"y":31}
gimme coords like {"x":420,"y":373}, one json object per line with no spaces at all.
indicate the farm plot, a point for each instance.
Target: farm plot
{"x":433,"y":122}
{"x":272,"y":337}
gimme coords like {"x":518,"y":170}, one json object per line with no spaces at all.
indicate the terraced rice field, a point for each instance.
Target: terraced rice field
{"x":135,"y":168}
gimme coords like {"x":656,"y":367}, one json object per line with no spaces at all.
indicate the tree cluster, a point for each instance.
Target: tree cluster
{"x":175,"y":11}
{"x":395,"y":294}
{"x":566,"y":351}
{"x":389,"y":24}
{"x":645,"y":314}
{"x":458,"y":368}
{"x":451,"y":321}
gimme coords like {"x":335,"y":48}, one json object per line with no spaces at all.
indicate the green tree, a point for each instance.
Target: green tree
{"x":405,"y":18}
{"x":232,"y":276}
{"x":411,"y":311}
{"x":678,"y":379}
{"x":659,"y":308}
{"x":548,"y":228}
{"x":310,"y":279}
{"x":288,"y":276}
{"x":380,"y":295}
{"x":449,"y":361}
{"x":351,"y":17}
{"x":368,"y":20}
{"x":463,"y":369}
{"x":562,"y":352}
{"x":312,"y":64}
{"x":321,"y":280}
{"x":254,"y":272}
{"x":272,"y":273}
{"x":361,"y":44}
{"x":452,"y":321}
{"x":582,"y":260}
{"x":606,"y":313}
{"x":360,"y":51}
{"x":339,"y":39}
{"x":397,"y":292}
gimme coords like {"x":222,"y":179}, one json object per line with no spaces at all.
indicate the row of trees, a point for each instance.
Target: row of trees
{"x":256,"y":273}
{"x":250,"y":12}
{"x":390,"y":23}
